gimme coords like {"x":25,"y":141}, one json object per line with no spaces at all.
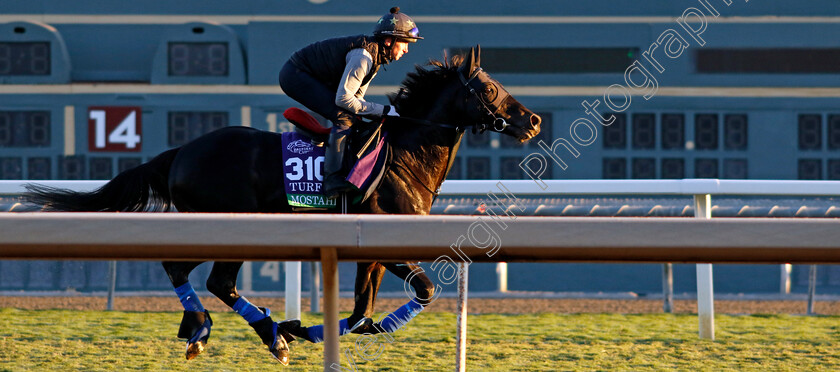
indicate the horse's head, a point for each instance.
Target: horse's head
{"x":459,"y":92}
{"x":489,"y":106}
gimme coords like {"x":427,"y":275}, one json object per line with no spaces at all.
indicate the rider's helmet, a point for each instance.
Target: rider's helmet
{"x":398,"y":25}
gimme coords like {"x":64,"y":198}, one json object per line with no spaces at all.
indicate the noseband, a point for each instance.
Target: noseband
{"x":498,"y":123}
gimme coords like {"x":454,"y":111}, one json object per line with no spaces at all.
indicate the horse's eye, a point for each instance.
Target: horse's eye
{"x":490,"y":92}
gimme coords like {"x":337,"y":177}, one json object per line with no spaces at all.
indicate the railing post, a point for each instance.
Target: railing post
{"x":668,"y":288}
{"x":784,"y":285}
{"x":292,"y":289}
{"x":461,"y":331}
{"x":812,"y":288}
{"x":705,"y":288}
{"x":112,"y":283}
{"x":329,"y":263}
{"x":502,"y":276}
{"x":247,"y":284}
{"x":315,"y":290}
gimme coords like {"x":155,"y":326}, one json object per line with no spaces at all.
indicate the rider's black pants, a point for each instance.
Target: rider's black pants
{"x":300,"y":86}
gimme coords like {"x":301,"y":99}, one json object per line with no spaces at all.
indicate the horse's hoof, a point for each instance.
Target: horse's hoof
{"x":280,"y":351}
{"x":271,"y":335}
{"x":196,"y":344}
{"x":193,"y":349}
{"x":197,"y":325}
{"x":291,"y":330}
{"x":365,"y":326}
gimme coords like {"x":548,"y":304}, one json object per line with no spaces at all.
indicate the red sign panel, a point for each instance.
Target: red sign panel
{"x":115,"y":128}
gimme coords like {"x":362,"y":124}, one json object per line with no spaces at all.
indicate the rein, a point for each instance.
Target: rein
{"x":434,"y":193}
{"x":449,"y":161}
{"x":459,"y":131}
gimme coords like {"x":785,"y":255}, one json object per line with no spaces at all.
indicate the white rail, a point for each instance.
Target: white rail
{"x":571,"y":187}
{"x":693,"y":186}
{"x":700,"y":189}
{"x":237,"y":236}
{"x":196,"y":236}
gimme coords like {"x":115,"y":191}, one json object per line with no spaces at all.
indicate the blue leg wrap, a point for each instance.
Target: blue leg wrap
{"x":248,"y":311}
{"x":316,"y":333}
{"x":188,"y":298}
{"x":400,"y":317}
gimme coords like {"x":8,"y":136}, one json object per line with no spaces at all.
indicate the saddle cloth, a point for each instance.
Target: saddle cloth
{"x":303,"y":171}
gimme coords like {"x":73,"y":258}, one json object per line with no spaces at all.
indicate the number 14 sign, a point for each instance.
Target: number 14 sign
{"x":114,"y":128}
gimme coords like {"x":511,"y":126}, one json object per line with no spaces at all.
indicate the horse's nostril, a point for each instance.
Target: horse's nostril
{"x":535,"y":120}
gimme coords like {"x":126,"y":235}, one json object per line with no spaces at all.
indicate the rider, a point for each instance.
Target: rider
{"x":331,"y":76}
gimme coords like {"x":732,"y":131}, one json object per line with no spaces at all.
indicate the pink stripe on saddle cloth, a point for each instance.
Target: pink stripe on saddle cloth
{"x":364,"y":171}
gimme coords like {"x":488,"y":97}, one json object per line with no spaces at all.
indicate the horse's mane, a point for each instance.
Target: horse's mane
{"x":421,"y":87}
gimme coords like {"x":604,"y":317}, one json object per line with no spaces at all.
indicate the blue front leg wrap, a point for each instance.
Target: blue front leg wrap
{"x":400,"y":317}
{"x":248,"y":311}
{"x":316,"y":333}
{"x":189,"y":298}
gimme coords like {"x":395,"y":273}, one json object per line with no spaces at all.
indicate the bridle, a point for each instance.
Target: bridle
{"x":498,"y":123}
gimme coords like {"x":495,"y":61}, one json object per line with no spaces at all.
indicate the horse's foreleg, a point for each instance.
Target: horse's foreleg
{"x":368,"y":279}
{"x":222,"y":283}
{"x":424,"y":291}
{"x":196,"y":322}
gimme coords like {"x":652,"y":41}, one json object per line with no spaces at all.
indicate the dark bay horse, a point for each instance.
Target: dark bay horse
{"x":239,"y":169}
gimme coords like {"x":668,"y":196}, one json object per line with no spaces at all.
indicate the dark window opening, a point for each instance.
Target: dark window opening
{"x":615,"y":134}
{"x":769,"y":61}
{"x":706,"y":168}
{"x":555,"y":60}
{"x":615,"y":168}
{"x":810,"y":169}
{"x":644,"y":168}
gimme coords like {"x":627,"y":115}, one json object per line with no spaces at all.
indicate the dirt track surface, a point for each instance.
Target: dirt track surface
{"x":475,"y":305}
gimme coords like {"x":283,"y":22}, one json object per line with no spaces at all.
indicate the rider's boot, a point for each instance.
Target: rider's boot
{"x":195,"y":327}
{"x":335,"y":182}
{"x":268,"y":331}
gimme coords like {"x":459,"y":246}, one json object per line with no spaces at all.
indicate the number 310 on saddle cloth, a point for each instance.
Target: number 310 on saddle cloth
{"x":303,"y":171}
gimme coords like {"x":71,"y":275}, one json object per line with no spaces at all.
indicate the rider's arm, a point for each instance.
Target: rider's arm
{"x":350,"y":95}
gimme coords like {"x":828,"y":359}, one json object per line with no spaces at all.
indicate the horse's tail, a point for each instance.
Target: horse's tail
{"x":142,"y":188}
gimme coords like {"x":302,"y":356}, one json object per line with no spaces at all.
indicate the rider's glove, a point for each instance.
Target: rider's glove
{"x":389,"y":111}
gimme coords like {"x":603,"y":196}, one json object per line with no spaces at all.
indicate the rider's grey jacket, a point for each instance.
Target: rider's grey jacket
{"x":346,"y":65}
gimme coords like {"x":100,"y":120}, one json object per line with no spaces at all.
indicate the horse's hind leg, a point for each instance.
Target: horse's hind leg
{"x":196,"y":322}
{"x":222,"y":283}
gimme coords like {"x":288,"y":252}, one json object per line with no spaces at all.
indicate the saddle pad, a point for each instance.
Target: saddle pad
{"x":364,"y":172}
{"x":303,"y":172}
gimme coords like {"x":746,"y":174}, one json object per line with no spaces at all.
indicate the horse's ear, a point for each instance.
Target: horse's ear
{"x":477,"y":55}
{"x":469,"y":64}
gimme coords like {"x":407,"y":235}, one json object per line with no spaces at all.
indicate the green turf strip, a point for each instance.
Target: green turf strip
{"x":95,"y":340}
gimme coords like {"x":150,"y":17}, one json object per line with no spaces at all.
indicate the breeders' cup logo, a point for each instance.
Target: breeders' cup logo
{"x":299,"y":147}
